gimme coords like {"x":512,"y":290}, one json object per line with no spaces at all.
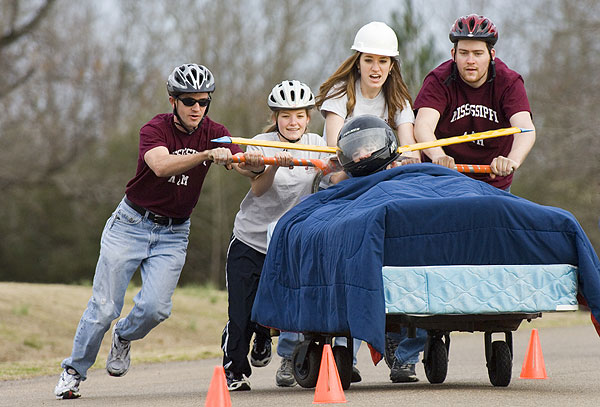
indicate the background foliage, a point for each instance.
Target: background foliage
{"x":79,"y":80}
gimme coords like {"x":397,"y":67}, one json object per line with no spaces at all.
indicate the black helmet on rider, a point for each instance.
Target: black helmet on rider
{"x":366,"y":144}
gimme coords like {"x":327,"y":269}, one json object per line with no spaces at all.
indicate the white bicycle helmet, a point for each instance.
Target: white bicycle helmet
{"x":376,"y":38}
{"x":291,"y":95}
{"x":190,"y":78}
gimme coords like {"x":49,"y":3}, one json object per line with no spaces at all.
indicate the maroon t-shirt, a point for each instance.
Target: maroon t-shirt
{"x":174,"y":196}
{"x":464,"y":110}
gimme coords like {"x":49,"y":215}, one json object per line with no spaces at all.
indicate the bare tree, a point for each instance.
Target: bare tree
{"x":564,"y":80}
{"x":18,"y":24}
{"x":250,"y":46}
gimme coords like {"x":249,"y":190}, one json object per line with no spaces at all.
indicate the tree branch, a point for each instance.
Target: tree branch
{"x":15,"y":33}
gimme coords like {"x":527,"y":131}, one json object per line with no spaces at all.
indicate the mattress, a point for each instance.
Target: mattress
{"x":480,"y":289}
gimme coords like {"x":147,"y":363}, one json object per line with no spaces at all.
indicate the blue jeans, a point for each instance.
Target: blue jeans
{"x":129,"y":241}
{"x":287,"y":343}
{"x":342,"y":341}
{"x":408,"y":349}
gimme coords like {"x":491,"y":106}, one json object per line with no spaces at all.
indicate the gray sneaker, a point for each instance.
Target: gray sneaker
{"x":68,"y":384}
{"x":403,"y":373}
{"x":118,"y":360}
{"x":285,"y":375}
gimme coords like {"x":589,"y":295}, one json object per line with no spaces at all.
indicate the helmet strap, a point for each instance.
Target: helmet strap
{"x":491,"y":68}
{"x":180,"y":121}
{"x":281,"y":134}
{"x":454,"y":73}
{"x":288,"y":140}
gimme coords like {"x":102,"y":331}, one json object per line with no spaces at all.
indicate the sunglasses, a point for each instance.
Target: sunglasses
{"x":191,"y":101}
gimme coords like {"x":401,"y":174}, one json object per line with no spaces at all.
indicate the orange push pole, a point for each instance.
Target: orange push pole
{"x":297,"y":162}
{"x":322,"y":165}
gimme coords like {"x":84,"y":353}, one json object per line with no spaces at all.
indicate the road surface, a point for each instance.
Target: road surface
{"x":571,"y":355}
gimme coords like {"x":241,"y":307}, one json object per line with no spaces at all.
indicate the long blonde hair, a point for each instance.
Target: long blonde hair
{"x":395,"y":91}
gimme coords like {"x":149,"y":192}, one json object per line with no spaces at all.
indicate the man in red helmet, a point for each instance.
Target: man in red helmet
{"x":472,"y":92}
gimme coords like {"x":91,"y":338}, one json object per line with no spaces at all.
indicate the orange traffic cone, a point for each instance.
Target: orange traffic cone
{"x":218,"y":394}
{"x":533,"y":365}
{"x":329,"y":388}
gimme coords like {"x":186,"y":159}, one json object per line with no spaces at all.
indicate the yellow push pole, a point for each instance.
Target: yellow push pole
{"x":410,"y":147}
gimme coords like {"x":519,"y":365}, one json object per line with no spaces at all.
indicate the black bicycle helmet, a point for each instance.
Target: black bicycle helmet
{"x":474,"y":27}
{"x":366,"y":144}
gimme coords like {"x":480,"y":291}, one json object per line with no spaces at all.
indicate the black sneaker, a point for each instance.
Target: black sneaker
{"x":260,"y":356}
{"x":237,"y":382}
{"x":390,"y":349}
{"x":403,"y":373}
{"x":355,"y":375}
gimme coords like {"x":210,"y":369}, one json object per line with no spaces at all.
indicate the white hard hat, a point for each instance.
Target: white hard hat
{"x":376,"y":38}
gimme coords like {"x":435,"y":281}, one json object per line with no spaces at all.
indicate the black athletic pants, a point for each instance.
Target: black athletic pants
{"x":243,"y":268}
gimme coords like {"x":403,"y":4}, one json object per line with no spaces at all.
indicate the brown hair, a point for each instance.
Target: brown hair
{"x":395,"y":90}
{"x":272,"y":126}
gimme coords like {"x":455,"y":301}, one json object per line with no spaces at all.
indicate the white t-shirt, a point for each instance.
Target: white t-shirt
{"x":288,"y":187}
{"x":376,"y":107}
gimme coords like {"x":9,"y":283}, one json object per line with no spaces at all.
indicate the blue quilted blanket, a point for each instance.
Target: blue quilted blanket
{"x":322,"y":272}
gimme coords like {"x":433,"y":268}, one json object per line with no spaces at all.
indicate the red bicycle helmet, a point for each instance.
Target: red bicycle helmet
{"x":474,"y":27}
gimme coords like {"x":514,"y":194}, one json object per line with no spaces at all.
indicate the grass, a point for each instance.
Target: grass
{"x":37,"y":324}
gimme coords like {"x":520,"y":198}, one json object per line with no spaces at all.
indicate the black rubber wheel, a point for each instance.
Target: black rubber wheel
{"x":343,"y":361}
{"x":436,"y":364}
{"x":500,"y":364}
{"x":306,"y":372}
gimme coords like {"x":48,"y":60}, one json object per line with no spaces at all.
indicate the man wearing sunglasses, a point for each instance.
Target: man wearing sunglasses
{"x":150,"y":227}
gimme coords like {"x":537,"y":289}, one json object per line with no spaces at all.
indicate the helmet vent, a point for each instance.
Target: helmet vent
{"x":291,"y":95}
{"x":471,"y":24}
{"x":190,"y":78}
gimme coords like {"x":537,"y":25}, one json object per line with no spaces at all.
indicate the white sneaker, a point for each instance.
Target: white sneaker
{"x":118,"y":360}
{"x":68,"y":385}
{"x":237,"y":382}
{"x":285,"y":376}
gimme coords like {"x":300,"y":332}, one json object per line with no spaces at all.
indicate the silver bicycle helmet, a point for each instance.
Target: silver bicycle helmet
{"x":190,"y":78}
{"x":291,"y":95}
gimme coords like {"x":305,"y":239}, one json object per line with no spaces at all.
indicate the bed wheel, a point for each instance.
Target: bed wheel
{"x":343,"y":361}
{"x":436,"y":360}
{"x":306,"y":371}
{"x":500,"y":364}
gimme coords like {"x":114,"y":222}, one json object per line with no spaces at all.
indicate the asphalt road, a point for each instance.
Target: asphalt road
{"x":571,"y":355}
